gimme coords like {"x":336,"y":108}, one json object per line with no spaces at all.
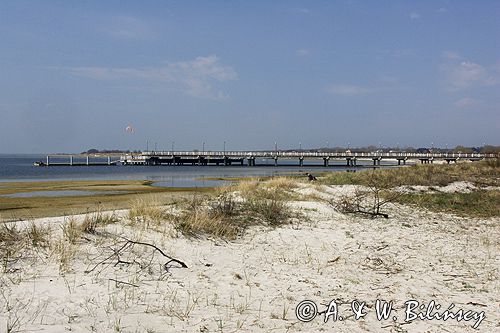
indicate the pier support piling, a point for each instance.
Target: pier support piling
{"x":351,"y":161}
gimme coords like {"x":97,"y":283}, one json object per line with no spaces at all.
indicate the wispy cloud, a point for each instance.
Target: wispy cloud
{"x":303,"y":52}
{"x":442,"y":10}
{"x":466,"y":74}
{"x":414,"y":15}
{"x":382,"y":84}
{"x":198,"y":77}
{"x":461,"y":74}
{"x":467,"y":102}
{"x":348,"y":89}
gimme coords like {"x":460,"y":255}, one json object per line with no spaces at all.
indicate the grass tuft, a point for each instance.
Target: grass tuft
{"x":72,"y":230}
{"x":146,"y":210}
{"x":97,"y":219}
{"x":236,"y":207}
{"x":202,"y":222}
{"x":209,"y":216}
{"x":16,"y":242}
{"x":270,"y":210}
{"x":38,"y":236}
{"x":475,"y":204}
{"x":65,"y":253}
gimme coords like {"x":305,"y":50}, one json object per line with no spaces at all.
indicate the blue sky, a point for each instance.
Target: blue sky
{"x":75,"y":74}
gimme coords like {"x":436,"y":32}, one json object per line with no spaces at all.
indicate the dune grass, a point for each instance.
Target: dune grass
{"x":18,"y":242}
{"x":231,"y":209}
{"x":145,"y":210}
{"x":481,"y":173}
{"x":204,"y":222}
{"x":202,"y":215}
{"x":480,"y":203}
{"x":73,"y":230}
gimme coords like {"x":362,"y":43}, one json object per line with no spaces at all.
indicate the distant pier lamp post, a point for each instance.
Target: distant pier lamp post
{"x":173,"y":143}
{"x":155,"y":146}
{"x":224,"y":148}
{"x":276,"y":148}
{"x":203,"y":149}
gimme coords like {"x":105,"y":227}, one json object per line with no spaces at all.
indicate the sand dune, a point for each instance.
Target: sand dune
{"x":254,"y":284}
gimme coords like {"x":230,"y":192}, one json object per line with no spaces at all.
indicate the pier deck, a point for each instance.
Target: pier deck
{"x":250,"y":158}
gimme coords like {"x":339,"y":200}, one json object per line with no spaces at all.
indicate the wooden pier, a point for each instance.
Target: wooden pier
{"x":251,"y":158}
{"x":71,"y":161}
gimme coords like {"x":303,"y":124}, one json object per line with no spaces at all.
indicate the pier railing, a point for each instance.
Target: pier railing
{"x":229,"y":157}
{"x":299,"y":154}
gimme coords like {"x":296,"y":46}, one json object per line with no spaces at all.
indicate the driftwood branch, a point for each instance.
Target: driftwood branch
{"x":115,"y":253}
{"x":373,"y":214}
{"x":171,"y":259}
{"x":123,"y":282}
{"x":369,"y":201}
{"x":128,"y":243}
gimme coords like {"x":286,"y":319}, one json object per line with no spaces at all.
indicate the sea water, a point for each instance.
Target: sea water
{"x":21,"y":168}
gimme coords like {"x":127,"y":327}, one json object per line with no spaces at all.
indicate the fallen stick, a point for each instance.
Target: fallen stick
{"x":183,"y":265}
{"x":123,"y":282}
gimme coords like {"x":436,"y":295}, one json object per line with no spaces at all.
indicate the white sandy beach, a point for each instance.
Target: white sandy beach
{"x":254,"y":284}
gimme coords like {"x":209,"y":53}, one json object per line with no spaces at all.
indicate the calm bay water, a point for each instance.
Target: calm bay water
{"x":20,"y":168}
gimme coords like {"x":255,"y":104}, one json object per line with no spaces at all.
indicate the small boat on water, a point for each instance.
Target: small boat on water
{"x":39,"y":163}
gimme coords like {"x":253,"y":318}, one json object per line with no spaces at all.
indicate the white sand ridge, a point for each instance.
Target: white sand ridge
{"x":253,"y":284}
